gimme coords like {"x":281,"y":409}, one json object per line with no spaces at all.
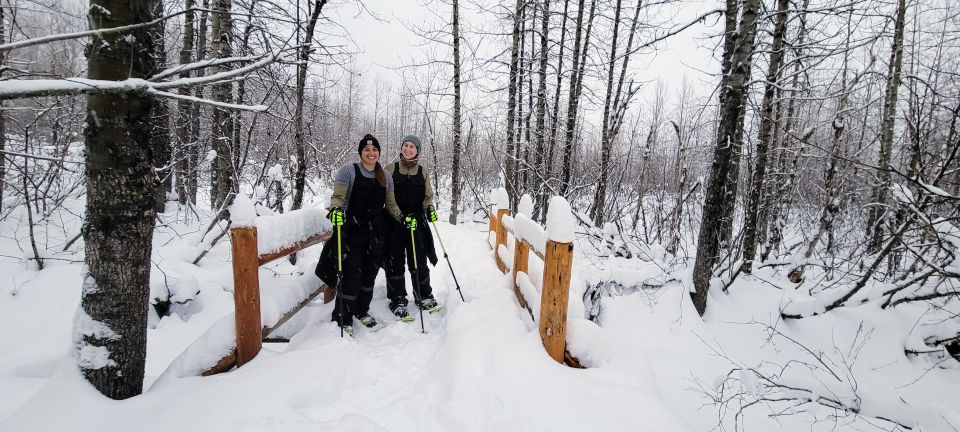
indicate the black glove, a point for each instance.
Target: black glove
{"x":336,"y":216}
{"x":431,"y":214}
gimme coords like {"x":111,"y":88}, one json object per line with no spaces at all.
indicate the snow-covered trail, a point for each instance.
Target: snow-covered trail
{"x":479,"y":367}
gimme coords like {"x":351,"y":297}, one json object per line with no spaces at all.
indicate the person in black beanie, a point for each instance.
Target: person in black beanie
{"x":414,"y":196}
{"x":361,"y":193}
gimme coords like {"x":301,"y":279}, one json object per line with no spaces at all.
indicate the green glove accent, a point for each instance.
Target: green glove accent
{"x":432,"y":216}
{"x":410,"y":222}
{"x":336,"y":216}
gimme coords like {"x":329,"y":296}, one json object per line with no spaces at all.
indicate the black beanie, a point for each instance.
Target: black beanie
{"x":363,"y":143}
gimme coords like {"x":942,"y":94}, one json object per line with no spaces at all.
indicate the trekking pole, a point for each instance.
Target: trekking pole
{"x":339,"y":283}
{"x":416,"y":275}
{"x":437,"y":230}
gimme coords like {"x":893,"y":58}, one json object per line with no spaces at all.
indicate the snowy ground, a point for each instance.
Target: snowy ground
{"x":479,"y":367}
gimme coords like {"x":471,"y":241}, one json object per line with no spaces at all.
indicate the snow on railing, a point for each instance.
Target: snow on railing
{"x":255,"y":241}
{"x":546,"y":301}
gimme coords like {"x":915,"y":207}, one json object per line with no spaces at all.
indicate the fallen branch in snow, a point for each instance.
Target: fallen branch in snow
{"x":791,"y":388}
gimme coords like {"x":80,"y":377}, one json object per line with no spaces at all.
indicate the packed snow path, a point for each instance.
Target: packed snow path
{"x":480,"y":367}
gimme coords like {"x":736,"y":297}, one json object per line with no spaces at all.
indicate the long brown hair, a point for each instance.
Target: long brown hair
{"x":381,"y":176}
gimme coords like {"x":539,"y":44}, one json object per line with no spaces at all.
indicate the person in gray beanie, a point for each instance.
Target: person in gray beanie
{"x":414,"y":195}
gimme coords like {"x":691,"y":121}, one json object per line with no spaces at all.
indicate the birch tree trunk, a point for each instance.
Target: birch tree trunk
{"x":185,"y":144}
{"x":509,"y":173}
{"x":161,"y":148}
{"x":540,"y":129}
{"x":110,"y":328}
{"x":197,"y":112}
{"x":878,"y":209}
{"x":222,"y":175}
{"x":455,"y":175}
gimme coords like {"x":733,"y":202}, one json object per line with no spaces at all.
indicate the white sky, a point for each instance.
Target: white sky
{"x":387,"y":43}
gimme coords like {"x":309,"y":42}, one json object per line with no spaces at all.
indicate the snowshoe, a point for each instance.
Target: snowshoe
{"x":430,"y":305}
{"x":367,"y":320}
{"x":402,"y":314}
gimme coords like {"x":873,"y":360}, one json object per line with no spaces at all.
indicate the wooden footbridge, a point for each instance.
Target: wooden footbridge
{"x":256,"y":244}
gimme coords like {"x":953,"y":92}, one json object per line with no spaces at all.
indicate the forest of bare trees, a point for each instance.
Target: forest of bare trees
{"x":823,"y":142}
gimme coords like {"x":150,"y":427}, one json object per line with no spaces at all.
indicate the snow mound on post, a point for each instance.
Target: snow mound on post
{"x":560,"y":221}
{"x":500,"y":198}
{"x":526,"y":205}
{"x":277,"y":232}
{"x":242,"y":212}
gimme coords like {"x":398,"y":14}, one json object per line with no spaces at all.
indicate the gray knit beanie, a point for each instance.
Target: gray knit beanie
{"x":414,"y":140}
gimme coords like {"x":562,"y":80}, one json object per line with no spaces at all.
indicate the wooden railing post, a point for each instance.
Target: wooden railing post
{"x":501,"y":238}
{"x":521,"y":253}
{"x":558,"y":261}
{"x":246,"y":292}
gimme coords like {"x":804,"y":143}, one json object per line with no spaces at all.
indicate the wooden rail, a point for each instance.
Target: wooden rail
{"x":557,"y":265}
{"x":246,"y":294}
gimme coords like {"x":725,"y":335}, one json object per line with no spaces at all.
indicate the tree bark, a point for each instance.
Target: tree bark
{"x":197,"y":112}
{"x":185,"y":144}
{"x":749,"y":244}
{"x":160,"y":145}
{"x":3,"y":118}
{"x":878,"y":212}
{"x":721,"y":192}
{"x":110,"y":327}
{"x":222,"y":175}
{"x":512,"y":102}
{"x":455,"y":175}
{"x":540,"y":129}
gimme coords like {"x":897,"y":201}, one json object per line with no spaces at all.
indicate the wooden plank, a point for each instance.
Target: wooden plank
{"x":553,"y":305}
{"x":521,"y":253}
{"x":225,"y":364}
{"x":303,"y":244}
{"x":501,"y":239}
{"x":293,"y":311}
{"x":246,"y":292}
{"x":571,"y":361}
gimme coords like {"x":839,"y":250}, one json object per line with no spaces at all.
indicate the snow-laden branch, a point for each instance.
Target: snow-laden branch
{"x":254,"y":108}
{"x":18,"y":89}
{"x":265,"y":60}
{"x":179,"y":69}
{"x":76,"y":35}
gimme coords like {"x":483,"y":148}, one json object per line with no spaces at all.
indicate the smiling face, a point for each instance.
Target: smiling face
{"x":409,"y":150}
{"x":370,"y":154}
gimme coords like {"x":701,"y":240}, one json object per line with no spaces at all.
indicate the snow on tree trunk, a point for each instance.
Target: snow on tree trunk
{"x":721,"y":191}
{"x":111,"y":326}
